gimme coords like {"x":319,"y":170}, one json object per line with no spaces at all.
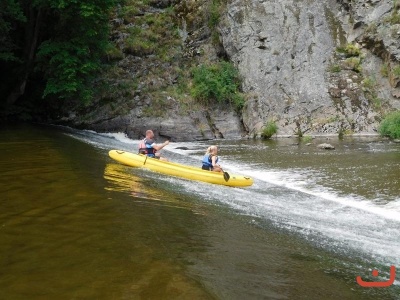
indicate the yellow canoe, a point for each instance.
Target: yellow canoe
{"x":175,"y":169}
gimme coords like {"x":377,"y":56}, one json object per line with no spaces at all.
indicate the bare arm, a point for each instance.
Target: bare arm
{"x":213,"y":161}
{"x":160,"y":146}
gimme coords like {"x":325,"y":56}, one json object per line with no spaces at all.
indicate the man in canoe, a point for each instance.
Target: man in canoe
{"x":149,"y":147}
{"x":210,"y":160}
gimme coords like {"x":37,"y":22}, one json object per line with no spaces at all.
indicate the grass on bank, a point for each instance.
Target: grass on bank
{"x":269,"y":130}
{"x":390,"y":126}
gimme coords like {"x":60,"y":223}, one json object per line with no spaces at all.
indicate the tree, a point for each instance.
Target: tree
{"x":62,"y":41}
{"x":10,"y":13}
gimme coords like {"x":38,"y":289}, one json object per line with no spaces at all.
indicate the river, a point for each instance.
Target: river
{"x":74,"y":224}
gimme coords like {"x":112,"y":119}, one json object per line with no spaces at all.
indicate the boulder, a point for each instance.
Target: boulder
{"x":326,"y":146}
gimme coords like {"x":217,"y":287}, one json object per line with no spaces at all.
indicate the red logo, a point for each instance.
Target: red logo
{"x":378,"y":283}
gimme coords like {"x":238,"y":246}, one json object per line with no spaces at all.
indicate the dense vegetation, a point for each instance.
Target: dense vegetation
{"x":390,"y":125}
{"x":217,"y":82}
{"x":51,"y":48}
{"x":52,"y":52}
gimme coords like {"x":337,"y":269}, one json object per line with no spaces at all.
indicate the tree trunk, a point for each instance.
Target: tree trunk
{"x":32,"y":35}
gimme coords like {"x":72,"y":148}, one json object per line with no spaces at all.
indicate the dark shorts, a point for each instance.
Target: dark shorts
{"x":149,"y":155}
{"x":207,"y":168}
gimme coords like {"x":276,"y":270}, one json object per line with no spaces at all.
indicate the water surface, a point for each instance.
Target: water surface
{"x":76,"y":225}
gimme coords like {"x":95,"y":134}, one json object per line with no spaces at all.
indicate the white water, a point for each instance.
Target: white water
{"x":290,"y":200}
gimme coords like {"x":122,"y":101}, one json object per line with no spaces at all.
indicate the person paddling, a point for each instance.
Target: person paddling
{"x":210,"y":160}
{"x":150,"y":148}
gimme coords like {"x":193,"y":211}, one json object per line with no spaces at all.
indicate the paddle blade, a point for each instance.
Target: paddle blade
{"x":226,"y":176}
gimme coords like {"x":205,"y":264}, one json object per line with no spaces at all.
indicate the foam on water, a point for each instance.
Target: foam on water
{"x":110,"y":141}
{"x":120,"y":136}
{"x":334,"y":221}
{"x":291,"y":200}
{"x":360,"y":214}
{"x":296,"y":182}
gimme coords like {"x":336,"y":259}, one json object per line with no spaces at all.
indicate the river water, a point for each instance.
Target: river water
{"x":76,"y":225}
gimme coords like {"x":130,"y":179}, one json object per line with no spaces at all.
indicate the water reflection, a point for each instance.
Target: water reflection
{"x":122,"y":179}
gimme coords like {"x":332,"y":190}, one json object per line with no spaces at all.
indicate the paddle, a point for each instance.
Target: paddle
{"x":226,"y":175}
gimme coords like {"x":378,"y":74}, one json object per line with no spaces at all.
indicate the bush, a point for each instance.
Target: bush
{"x":219,"y":82}
{"x":214,"y":15}
{"x":350,"y":50}
{"x":353,"y":63}
{"x":306,"y":139}
{"x":335,"y":68}
{"x":394,"y":18}
{"x":390,"y":126}
{"x":396,"y":71}
{"x":385,"y":70}
{"x":269,"y":130}
{"x":369,"y":83}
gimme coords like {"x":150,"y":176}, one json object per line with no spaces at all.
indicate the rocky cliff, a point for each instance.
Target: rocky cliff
{"x":288,"y":53}
{"x":313,"y":67}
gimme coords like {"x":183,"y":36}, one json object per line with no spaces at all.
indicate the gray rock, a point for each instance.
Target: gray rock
{"x":284,"y":50}
{"x":326,"y":146}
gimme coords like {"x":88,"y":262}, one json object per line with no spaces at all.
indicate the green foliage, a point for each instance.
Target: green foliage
{"x":306,"y":138}
{"x":71,"y":58}
{"x":394,"y":18}
{"x":390,"y":126}
{"x":113,"y":53}
{"x":214,"y":14}
{"x":335,"y":68}
{"x":396,"y":71}
{"x":218,"y":82}
{"x":132,"y":9}
{"x":152,"y":34}
{"x":353,"y":63}
{"x":350,"y":50}
{"x":269,"y":130}
{"x":58,"y":43}
{"x":369,"y":83}
{"x":376,"y":102}
{"x":341,"y":133}
{"x":139,"y":46}
{"x":10,"y":13}
{"x":68,"y":68}
{"x":385,"y":70}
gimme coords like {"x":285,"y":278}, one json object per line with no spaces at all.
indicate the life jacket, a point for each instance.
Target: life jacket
{"x":146,"y":148}
{"x":207,"y":161}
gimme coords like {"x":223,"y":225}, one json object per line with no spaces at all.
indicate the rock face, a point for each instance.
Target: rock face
{"x":282,"y":50}
{"x":287,"y":53}
{"x":196,"y":125}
